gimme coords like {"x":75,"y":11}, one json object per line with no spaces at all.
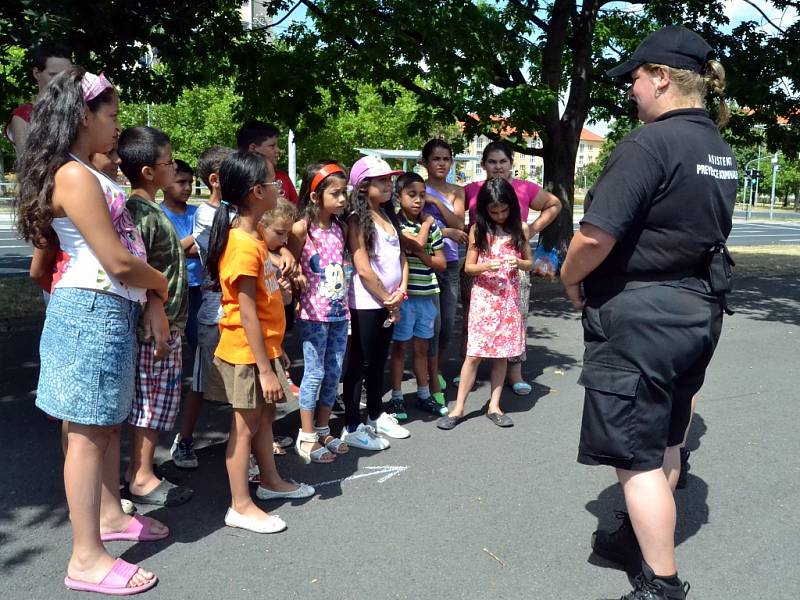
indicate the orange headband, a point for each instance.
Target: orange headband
{"x":324,"y":172}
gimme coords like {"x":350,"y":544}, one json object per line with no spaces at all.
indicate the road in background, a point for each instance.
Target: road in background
{"x":15,"y":254}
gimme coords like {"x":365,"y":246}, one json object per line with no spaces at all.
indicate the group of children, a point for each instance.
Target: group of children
{"x":361,"y":262}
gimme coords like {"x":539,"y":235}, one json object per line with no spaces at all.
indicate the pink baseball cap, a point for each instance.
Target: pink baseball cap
{"x":367,"y":167}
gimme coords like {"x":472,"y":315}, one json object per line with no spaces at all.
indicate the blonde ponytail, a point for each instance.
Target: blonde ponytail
{"x":715,"y":84}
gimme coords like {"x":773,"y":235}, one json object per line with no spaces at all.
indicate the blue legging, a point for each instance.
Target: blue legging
{"x":324,"y":345}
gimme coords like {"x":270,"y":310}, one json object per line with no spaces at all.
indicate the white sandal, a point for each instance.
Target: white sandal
{"x":320,"y":455}
{"x":336,"y":445}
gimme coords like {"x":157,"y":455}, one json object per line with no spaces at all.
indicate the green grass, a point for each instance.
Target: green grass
{"x":21,"y":298}
{"x":754,"y":261}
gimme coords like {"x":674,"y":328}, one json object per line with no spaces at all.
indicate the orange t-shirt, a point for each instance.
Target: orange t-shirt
{"x":246,"y":256}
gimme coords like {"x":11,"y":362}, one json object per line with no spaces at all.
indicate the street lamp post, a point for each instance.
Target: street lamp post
{"x":775,"y":168}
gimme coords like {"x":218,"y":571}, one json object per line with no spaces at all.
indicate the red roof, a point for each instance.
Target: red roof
{"x":590,"y":136}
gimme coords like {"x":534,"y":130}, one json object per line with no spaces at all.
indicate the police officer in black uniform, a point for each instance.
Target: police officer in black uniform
{"x":650,"y":270}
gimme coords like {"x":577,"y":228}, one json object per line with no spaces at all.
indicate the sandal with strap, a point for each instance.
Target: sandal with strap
{"x":320,"y":455}
{"x":334,"y":444}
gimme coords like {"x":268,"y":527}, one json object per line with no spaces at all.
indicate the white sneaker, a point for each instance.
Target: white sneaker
{"x":364,"y":437}
{"x":388,"y":425}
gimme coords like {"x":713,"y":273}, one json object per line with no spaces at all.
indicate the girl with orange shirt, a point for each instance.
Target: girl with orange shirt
{"x":249,"y":356}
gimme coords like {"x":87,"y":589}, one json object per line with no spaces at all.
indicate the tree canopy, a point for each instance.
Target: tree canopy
{"x":538,"y":65}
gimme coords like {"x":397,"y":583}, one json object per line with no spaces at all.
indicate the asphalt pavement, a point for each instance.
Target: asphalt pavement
{"x":475,"y":513}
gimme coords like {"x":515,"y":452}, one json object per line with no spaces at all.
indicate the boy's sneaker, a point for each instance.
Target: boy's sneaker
{"x":439,"y":397}
{"x":646,"y":586}
{"x":430,"y":405}
{"x":398,"y":408}
{"x":684,"y":474}
{"x":619,"y":546}
{"x":183,"y":455}
{"x":364,"y":437}
{"x":387,"y":425}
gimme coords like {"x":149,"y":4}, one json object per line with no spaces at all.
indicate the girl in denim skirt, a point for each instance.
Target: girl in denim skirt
{"x":87,"y":347}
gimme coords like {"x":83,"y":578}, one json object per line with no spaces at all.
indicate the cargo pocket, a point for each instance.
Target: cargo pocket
{"x":606,"y":431}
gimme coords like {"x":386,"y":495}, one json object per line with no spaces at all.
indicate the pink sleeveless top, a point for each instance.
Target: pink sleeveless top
{"x":322,"y":261}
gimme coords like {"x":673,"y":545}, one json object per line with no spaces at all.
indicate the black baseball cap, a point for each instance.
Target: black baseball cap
{"x":673,"y":46}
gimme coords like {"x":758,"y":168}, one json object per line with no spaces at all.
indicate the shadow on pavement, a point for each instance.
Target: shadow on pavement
{"x":781,"y":304}
{"x":691,"y":503}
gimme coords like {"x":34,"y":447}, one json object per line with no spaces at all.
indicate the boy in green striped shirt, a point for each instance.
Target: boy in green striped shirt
{"x":422,"y":242}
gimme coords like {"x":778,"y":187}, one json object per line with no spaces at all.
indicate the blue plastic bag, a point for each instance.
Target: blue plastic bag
{"x":546,"y":263}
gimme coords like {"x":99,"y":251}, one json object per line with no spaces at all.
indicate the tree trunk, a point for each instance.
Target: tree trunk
{"x":559,"y":179}
{"x":563,"y":133}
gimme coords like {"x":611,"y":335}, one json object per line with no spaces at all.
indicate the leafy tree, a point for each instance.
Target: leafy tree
{"x":198,"y":118}
{"x":369,"y":122}
{"x":472,"y":61}
{"x":466,"y":61}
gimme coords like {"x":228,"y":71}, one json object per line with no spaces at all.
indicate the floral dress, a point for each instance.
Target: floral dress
{"x":495,"y":318}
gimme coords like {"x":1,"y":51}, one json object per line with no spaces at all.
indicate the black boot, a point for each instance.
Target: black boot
{"x":619,"y":546}
{"x":646,"y":586}
{"x":684,"y":474}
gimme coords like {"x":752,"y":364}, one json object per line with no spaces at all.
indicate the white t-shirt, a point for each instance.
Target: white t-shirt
{"x":211,"y":305}
{"x":82,"y":269}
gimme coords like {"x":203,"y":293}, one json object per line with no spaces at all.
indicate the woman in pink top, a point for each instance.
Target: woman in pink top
{"x":498,"y":161}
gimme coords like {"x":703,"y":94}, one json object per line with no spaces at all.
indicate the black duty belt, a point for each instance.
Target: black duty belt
{"x":716,"y":272}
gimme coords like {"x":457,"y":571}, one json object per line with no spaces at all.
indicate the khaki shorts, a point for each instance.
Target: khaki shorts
{"x":242,"y":385}
{"x":205,"y":375}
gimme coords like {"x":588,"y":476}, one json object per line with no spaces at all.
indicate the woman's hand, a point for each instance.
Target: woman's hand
{"x":575,"y":295}
{"x":459,"y":236}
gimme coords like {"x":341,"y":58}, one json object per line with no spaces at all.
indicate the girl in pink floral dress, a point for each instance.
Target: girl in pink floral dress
{"x":498,"y":250}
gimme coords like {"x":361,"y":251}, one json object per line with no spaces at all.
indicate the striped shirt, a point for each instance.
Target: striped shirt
{"x":421,"y":278}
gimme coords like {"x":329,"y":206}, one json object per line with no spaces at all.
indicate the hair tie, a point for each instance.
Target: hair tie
{"x":324,"y":172}
{"x":94,"y":85}
{"x":228,"y":205}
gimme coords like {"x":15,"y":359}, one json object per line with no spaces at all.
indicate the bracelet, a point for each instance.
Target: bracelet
{"x":405,"y":296}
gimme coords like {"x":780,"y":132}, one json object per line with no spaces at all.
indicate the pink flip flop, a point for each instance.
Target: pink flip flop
{"x":138,"y":530}
{"x":115,"y":583}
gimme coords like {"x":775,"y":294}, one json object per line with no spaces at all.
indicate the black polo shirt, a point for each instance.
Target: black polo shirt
{"x":667,"y":195}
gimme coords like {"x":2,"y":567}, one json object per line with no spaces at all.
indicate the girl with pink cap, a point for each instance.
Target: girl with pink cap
{"x":378,"y":289}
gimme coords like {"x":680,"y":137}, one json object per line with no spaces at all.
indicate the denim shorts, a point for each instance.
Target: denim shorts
{"x":88,"y":357}
{"x":417,"y":318}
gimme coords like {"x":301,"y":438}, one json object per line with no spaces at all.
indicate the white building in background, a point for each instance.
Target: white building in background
{"x":254,"y":14}
{"x":527,"y":166}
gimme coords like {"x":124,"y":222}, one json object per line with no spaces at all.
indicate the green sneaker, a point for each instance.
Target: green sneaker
{"x":442,"y":382}
{"x":439,"y":397}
